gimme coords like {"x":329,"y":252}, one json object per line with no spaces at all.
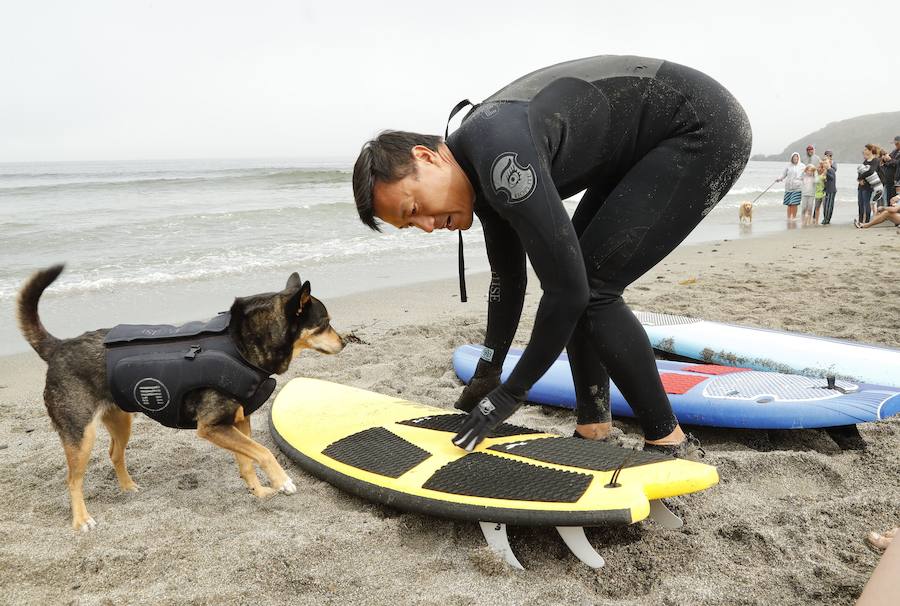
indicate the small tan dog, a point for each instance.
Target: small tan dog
{"x":745,"y":212}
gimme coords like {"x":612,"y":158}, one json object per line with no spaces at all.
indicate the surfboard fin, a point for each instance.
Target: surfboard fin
{"x":576,"y":541}
{"x":663,"y":516}
{"x":573,"y":536}
{"x":495,"y":535}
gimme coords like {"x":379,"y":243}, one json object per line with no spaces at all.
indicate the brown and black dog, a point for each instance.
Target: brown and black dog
{"x":268,"y":330}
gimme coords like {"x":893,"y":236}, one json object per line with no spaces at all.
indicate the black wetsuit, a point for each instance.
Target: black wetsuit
{"x":655,"y":145}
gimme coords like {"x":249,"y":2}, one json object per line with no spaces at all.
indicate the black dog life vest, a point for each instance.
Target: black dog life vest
{"x":151,"y":368}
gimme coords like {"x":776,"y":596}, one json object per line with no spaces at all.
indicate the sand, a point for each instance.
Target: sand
{"x":786,"y":525}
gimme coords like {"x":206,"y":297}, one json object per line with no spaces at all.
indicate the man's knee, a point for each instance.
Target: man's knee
{"x":604,"y":297}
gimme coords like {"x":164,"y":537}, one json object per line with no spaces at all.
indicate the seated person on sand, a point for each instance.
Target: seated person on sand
{"x":881,"y":541}
{"x":888,"y":213}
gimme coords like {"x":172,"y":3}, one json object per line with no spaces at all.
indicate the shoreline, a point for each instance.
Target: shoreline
{"x":68,"y":313}
{"x":755,"y":248}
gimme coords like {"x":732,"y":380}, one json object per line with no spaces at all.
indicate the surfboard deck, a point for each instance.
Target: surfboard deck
{"x":721,"y":396}
{"x":771,"y":350}
{"x":399,"y":453}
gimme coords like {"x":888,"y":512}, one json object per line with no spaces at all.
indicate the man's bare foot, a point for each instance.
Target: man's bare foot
{"x":594,"y":431}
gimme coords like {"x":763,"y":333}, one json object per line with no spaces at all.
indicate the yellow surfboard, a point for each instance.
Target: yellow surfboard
{"x":399,"y":453}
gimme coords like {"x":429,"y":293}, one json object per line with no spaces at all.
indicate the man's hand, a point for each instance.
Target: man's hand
{"x":491,"y":411}
{"x":484,"y":381}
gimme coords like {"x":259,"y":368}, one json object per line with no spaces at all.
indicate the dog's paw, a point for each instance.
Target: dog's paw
{"x":288,"y":487}
{"x":263,"y":492}
{"x":86,"y":525}
{"x":131,"y":487}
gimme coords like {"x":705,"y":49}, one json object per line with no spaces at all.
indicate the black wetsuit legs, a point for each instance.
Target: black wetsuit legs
{"x":626,"y":228}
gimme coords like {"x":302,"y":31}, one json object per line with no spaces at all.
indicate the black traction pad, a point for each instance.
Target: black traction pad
{"x":483,"y":475}
{"x":377,"y":450}
{"x":451,"y":423}
{"x":575,"y":452}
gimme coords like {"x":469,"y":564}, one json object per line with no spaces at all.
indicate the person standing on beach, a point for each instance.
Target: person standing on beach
{"x":867,"y":179}
{"x":793,"y":183}
{"x":828,"y":154}
{"x":653,"y":145}
{"x":830,"y":190}
{"x":821,"y":171}
{"x":808,"y":193}
{"x":811,"y":157}
{"x":888,"y":172}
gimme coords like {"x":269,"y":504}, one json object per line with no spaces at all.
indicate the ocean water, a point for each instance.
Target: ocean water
{"x":171,"y":241}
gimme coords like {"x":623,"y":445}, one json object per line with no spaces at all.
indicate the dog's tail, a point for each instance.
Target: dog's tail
{"x":29,"y":321}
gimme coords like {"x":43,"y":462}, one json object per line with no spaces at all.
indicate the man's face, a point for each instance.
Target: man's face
{"x":810,"y":151}
{"x":896,"y":144}
{"x":429,"y":198}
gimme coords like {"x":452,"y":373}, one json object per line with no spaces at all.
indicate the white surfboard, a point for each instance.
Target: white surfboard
{"x":775,"y":350}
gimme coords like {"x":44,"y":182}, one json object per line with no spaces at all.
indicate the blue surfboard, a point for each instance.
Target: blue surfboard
{"x":721,"y":396}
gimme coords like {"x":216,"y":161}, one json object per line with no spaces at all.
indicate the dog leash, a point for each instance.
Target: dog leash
{"x":764,"y":191}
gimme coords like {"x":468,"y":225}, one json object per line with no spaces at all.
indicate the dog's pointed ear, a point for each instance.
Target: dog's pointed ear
{"x":237,"y":309}
{"x":297,"y":301}
{"x":304,"y":294}
{"x":293,"y":282}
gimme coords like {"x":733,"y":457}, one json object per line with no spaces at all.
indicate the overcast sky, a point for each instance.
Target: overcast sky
{"x":94,"y":80}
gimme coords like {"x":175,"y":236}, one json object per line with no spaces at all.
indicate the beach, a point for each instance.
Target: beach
{"x":785,"y":525}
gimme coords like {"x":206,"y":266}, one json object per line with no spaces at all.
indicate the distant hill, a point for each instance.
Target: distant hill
{"x":845,"y":138}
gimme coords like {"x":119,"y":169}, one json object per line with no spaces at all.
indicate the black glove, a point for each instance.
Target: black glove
{"x":484,"y":381}
{"x":498,"y":406}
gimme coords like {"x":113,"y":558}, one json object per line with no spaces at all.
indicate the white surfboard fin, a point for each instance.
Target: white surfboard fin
{"x":576,"y":541}
{"x":495,"y":535}
{"x":663,"y":516}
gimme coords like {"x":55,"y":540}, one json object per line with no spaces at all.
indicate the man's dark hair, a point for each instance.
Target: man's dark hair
{"x":386,"y":158}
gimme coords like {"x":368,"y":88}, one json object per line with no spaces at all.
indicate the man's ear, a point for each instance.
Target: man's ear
{"x":293,"y":282}
{"x":425,"y":154}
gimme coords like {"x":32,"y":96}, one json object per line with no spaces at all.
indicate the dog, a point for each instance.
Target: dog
{"x":268,"y":330}
{"x":745,"y":212}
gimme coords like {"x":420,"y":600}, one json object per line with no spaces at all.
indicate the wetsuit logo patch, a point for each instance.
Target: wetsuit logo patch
{"x":486,"y":407}
{"x":494,"y":288}
{"x":509,"y":176}
{"x":150,"y":394}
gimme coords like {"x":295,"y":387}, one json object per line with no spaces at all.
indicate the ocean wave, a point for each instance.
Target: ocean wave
{"x":139,"y":270}
{"x":198,"y":223}
{"x":267,"y":178}
{"x":743,"y":191}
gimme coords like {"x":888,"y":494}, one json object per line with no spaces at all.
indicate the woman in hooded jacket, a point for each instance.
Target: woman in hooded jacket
{"x":793,"y":183}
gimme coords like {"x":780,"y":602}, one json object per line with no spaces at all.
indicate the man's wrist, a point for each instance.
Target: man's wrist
{"x":504,"y":394}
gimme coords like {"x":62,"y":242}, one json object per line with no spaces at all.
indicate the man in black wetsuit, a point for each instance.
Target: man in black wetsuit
{"x":653,"y":145}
